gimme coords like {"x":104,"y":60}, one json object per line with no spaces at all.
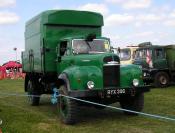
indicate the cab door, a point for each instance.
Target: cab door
{"x":64,"y":56}
{"x":160,"y":61}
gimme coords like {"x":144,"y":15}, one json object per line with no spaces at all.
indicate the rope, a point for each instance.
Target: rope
{"x":85,"y":101}
{"x":120,"y":109}
{"x":21,"y":95}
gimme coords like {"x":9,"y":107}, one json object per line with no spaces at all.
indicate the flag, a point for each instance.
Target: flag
{"x":148,"y":59}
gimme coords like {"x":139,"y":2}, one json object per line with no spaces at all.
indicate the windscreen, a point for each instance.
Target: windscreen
{"x":125,"y":54}
{"x":143,"y":53}
{"x":90,"y":47}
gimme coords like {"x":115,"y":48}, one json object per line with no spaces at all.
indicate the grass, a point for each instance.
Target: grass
{"x":19,"y":117}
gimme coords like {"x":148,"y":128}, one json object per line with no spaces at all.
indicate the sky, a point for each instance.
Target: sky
{"x":126,"y":22}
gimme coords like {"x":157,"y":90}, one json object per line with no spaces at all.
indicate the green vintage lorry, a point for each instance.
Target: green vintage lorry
{"x":64,"y":49}
{"x":158,"y":63}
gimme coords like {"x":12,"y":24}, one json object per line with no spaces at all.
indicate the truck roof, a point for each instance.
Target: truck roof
{"x":170,"y":46}
{"x":69,"y":17}
{"x":150,"y":46}
{"x":130,"y":46}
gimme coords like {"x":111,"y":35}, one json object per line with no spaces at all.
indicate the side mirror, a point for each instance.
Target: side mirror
{"x":59,"y":59}
{"x":90,"y":37}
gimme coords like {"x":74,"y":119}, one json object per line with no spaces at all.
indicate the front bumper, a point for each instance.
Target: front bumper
{"x":132,"y":91}
{"x":147,"y":75}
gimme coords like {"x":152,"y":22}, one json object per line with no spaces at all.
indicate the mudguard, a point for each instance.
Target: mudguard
{"x":128,"y":73}
{"x":78,"y":77}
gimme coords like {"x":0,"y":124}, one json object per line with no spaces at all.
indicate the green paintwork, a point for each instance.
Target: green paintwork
{"x":43,"y":36}
{"x":170,"y":55}
{"x":158,"y":63}
{"x":83,"y":68}
{"x":128,"y":73}
{"x":48,"y":28}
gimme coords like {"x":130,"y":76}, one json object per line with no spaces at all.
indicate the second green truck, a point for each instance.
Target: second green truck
{"x":158,"y":63}
{"x":64,"y":49}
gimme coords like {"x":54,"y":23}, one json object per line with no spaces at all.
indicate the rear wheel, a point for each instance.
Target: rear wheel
{"x":161,"y":79}
{"x":132,"y":103}
{"x":33,"y":93}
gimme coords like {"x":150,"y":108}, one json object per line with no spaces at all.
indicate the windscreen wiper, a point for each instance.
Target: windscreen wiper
{"x":88,"y":44}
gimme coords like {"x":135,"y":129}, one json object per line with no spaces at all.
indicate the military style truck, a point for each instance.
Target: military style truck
{"x":64,"y":49}
{"x":127,"y":54}
{"x":158,"y":63}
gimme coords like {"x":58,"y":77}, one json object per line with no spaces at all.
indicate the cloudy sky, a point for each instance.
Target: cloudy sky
{"x":126,"y":21}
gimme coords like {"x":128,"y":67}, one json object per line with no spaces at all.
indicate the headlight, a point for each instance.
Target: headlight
{"x":135,"y":82}
{"x":90,"y":84}
{"x":140,"y":67}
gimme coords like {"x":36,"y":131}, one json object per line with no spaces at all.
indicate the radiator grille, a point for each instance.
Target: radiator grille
{"x":111,"y":76}
{"x":111,"y":58}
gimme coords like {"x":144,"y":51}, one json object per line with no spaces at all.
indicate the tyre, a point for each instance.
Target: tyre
{"x":67,"y":108}
{"x":99,"y":107}
{"x":33,"y":93}
{"x":161,"y":79}
{"x":132,"y":103}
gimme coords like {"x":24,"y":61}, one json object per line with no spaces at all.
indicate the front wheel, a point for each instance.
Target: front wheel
{"x":67,"y":107}
{"x":132,"y":103}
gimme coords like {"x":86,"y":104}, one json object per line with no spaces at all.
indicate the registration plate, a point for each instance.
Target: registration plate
{"x":115,"y":91}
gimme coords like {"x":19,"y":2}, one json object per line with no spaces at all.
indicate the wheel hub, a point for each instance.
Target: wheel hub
{"x":163,"y":80}
{"x":63,"y":106}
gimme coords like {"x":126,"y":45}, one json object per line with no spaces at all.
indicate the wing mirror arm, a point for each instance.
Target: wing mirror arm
{"x":58,"y":59}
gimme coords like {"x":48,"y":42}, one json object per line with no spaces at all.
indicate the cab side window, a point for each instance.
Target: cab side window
{"x":63,"y":48}
{"x":159,"y":53}
{"x":134,"y":54}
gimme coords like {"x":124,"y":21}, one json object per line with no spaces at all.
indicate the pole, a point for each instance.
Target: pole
{"x":15,"y":49}
{"x":15,"y":72}
{"x":16,"y":55}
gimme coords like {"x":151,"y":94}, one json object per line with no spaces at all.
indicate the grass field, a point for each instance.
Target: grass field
{"x":19,"y":117}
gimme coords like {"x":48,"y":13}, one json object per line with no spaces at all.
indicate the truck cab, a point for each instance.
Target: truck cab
{"x":154,"y":64}
{"x":127,"y":55}
{"x":83,"y":59}
{"x":70,"y":50}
